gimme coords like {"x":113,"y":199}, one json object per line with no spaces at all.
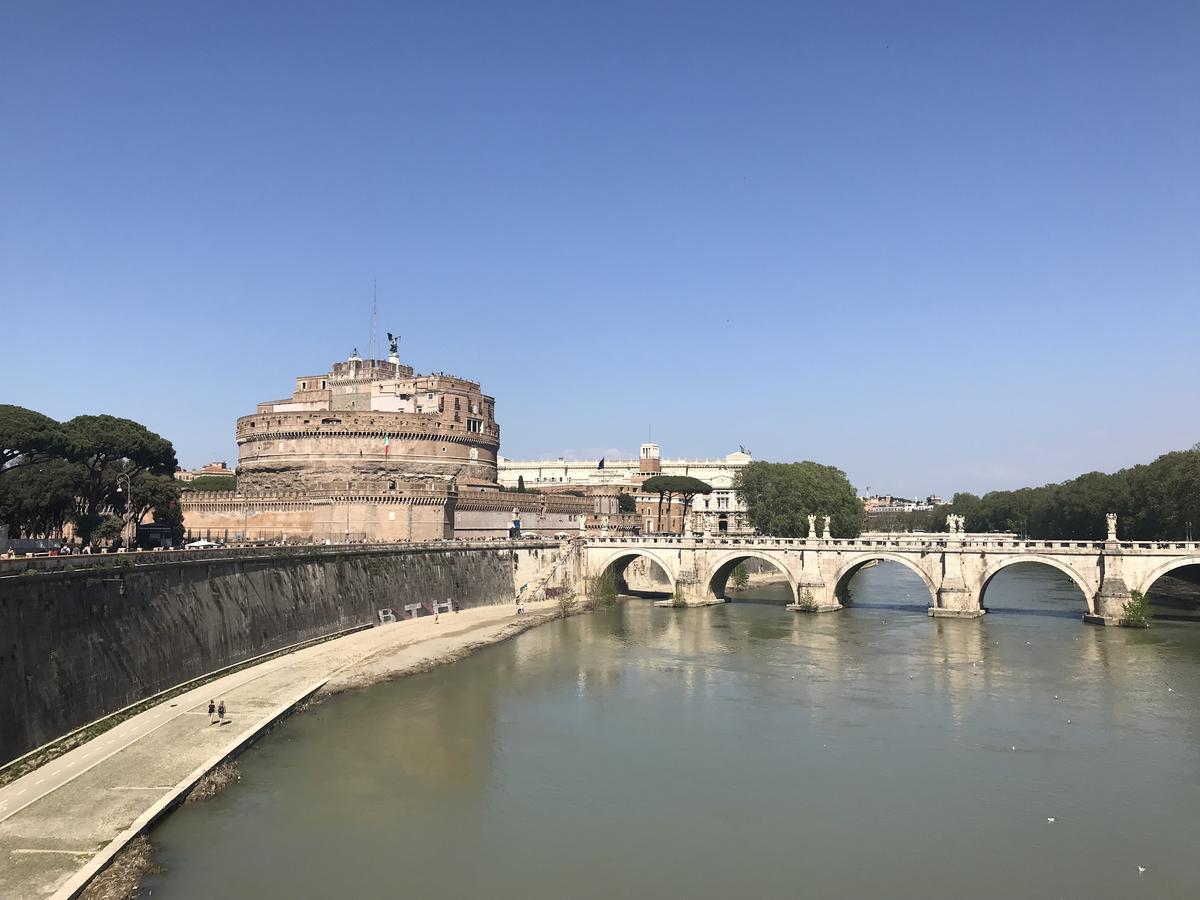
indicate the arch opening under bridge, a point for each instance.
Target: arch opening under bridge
{"x":1173,"y":590}
{"x":1064,"y":593}
{"x":722,"y":572}
{"x":651,"y":575}
{"x":911,"y":602}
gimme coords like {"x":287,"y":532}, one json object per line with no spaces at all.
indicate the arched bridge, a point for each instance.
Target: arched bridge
{"x":956,"y":568}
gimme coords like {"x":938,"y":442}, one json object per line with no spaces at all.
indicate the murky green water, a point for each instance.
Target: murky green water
{"x":738,"y":751}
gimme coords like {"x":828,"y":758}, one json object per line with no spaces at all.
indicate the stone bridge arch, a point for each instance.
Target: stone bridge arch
{"x":848,"y":568}
{"x":719,"y":570}
{"x":1085,"y":587}
{"x":1166,"y":569}
{"x":618,"y":560}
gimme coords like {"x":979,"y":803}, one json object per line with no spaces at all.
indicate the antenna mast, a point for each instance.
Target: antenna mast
{"x":374,"y":314}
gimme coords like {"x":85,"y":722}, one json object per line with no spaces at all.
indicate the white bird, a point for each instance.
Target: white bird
{"x":1056,"y":696}
{"x":1141,"y":869}
{"x":1170,"y":690}
{"x":1049,"y":818}
{"x":1068,"y":721}
{"x":1014,"y":746}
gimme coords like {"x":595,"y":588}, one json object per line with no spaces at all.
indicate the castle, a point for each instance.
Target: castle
{"x":372,"y":451}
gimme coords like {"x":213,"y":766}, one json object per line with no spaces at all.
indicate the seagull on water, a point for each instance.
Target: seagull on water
{"x":1050,"y":819}
{"x":1141,"y":869}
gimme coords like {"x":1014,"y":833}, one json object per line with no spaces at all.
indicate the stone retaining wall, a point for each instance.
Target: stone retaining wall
{"x":78,"y":645}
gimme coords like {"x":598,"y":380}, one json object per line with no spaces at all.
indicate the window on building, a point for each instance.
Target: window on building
{"x":722,"y":503}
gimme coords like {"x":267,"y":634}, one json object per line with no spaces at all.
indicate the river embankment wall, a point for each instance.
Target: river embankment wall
{"x":77,"y":644}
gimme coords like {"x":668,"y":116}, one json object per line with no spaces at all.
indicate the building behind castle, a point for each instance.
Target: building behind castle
{"x":721,"y":512}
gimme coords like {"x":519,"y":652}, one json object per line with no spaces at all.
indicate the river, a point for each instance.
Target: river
{"x":737,"y":751}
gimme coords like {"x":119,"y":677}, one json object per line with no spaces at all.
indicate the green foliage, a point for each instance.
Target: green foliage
{"x":676,"y":484}
{"x":626,"y":503}
{"x":54,"y":473}
{"x":107,"y":529}
{"x":1137,"y":611}
{"x":806,"y":602}
{"x":36,"y":498}
{"x":677,"y":598}
{"x":741,"y":578}
{"x":211,"y":483}
{"x":910,"y":520}
{"x":26,"y":435}
{"x":601,"y":591}
{"x":1156,"y":500}
{"x":519,"y":489}
{"x":667,"y":486}
{"x":779,"y":497}
{"x":568,"y":603}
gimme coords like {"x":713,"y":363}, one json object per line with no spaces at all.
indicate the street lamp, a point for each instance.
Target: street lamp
{"x":132,"y":539}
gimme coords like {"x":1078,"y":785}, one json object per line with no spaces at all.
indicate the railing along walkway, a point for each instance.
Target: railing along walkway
{"x":84,"y":562}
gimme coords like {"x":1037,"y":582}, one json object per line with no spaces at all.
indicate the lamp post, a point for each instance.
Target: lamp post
{"x":132,"y":538}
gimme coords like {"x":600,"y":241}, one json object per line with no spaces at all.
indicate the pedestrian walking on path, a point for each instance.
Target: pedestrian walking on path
{"x":212,"y":713}
{"x":221,"y":713}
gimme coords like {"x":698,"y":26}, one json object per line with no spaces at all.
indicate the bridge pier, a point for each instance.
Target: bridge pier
{"x":812,"y":594}
{"x":814,"y":598}
{"x":954,"y":599}
{"x":690,"y":591}
{"x":1114,"y":593}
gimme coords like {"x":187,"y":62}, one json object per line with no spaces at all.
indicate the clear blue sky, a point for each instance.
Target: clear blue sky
{"x":944,"y":246}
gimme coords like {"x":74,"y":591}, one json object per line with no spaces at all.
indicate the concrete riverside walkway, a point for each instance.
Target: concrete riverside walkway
{"x":73,"y":813}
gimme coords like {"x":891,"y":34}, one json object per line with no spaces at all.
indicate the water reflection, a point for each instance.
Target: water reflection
{"x":737,"y":749}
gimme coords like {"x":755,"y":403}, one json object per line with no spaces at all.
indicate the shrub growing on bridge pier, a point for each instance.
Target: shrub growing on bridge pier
{"x":1137,"y":611}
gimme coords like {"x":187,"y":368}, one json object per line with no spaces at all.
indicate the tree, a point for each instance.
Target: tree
{"x":26,"y":434}
{"x":1157,"y":500}
{"x":780,"y":497}
{"x":36,"y":498}
{"x":108,"y":528}
{"x":211,"y":483}
{"x":667,"y":486}
{"x":656,"y":485}
{"x":521,"y":483}
{"x":104,"y":447}
{"x":626,"y":503}
{"x":159,"y":493}
{"x":57,"y":473}
{"x":688,"y":488}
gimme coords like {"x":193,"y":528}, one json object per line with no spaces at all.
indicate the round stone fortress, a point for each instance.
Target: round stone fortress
{"x":363,"y":427}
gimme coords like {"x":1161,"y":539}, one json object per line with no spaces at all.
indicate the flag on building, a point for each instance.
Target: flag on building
{"x":387,"y":444}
